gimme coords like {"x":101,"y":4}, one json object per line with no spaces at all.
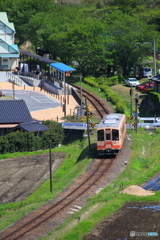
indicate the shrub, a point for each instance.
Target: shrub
{"x":25,"y":141}
{"x":120,"y":107}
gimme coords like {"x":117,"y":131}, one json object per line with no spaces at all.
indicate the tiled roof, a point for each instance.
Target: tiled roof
{"x":33,"y":126}
{"x":14,"y":111}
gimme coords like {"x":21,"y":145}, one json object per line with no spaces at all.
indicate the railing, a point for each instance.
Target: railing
{"x":14,"y":78}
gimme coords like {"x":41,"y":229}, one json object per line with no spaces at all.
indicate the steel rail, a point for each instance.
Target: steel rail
{"x":96,"y":103}
{"x":13,"y":233}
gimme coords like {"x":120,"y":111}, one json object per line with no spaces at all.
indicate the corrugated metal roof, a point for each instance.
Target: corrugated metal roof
{"x":40,"y":58}
{"x":33,"y":126}
{"x":14,"y":111}
{"x":62,"y":67}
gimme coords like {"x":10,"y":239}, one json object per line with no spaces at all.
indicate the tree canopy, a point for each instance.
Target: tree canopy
{"x":96,"y":34}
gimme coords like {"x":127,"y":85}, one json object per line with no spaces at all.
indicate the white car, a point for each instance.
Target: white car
{"x":132,"y":82}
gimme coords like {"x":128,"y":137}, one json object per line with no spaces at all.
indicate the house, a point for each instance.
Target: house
{"x":9,"y":53}
{"x":14,"y":115}
{"x":156,"y":79}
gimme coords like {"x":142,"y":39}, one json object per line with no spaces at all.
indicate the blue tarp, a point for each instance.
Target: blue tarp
{"x":62,"y":67}
{"x":153,"y":185}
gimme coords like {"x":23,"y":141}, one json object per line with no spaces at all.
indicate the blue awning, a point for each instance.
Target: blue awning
{"x":62,"y":67}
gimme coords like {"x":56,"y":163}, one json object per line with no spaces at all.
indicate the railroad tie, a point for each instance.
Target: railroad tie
{"x":70,"y":212}
{"x":73,"y":209}
{"x":78,"y":207}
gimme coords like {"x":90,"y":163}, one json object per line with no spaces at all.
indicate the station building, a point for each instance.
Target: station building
{"x":9,"y":53}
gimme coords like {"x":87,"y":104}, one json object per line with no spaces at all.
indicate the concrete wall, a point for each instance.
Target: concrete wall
{"x":52,"y":88}
{"x":31,"y":81}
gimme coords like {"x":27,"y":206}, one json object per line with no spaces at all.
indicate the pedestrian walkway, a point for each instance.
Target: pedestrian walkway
{"x":4,"y":77}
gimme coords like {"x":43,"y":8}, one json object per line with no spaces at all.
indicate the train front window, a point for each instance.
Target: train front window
{"x":115,"y":135}
{"x":108,"y":136}
{"x":100,"y":135}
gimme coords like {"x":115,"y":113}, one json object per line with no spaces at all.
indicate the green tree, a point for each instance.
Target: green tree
{"x":55,"y":133}
{"x":21,"y":11}
{"x":132,"y":39}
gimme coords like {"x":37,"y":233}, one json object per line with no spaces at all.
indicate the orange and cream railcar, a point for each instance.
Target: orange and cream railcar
{"x":111,"y":133}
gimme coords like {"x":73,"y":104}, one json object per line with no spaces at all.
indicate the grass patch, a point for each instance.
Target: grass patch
{"x":75,"y":163}
{"x":6,"y":97}
{"x":143,"y":165}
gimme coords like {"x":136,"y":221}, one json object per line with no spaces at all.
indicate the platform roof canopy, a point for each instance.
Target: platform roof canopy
{"x":40,"y":58}
{"x":62,"y":67}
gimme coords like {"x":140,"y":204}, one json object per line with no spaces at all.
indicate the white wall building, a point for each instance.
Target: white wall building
{"x":9,"y":52}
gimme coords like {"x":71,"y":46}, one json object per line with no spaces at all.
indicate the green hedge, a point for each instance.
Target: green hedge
{"x":24,"y":141}
{"x":110,"y":94}
{"x":155,"y":97}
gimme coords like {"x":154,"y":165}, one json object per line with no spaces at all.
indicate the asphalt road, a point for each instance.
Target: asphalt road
{"x":35,"y":101}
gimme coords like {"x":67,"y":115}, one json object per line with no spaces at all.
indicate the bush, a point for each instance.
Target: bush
{"x":120,"y":107}
{"x":55,"y":134}
{"x":24,"y":141}
{"x":102,"y":83}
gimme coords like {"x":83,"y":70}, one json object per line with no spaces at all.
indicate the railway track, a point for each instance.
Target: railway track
{"x":98,"y":104}
{"x":34,"y":225}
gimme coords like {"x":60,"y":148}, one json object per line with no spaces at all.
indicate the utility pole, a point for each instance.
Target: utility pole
{"x":50,"y":164}
{"x":88,"y":133}
{"x":136,"y":105}
{"x":131,"y":94}
{"x":154,"y":57}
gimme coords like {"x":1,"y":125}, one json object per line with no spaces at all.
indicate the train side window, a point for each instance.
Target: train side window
{"x":108,"y":136}
{"x":100,"y":135}
{"x":115,"y":135}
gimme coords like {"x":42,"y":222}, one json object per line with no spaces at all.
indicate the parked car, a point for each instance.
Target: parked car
{"x":132,"y":82}
{"x":147,"y":88}
{"x":143,"y":85}
{"x":140,"y":86}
